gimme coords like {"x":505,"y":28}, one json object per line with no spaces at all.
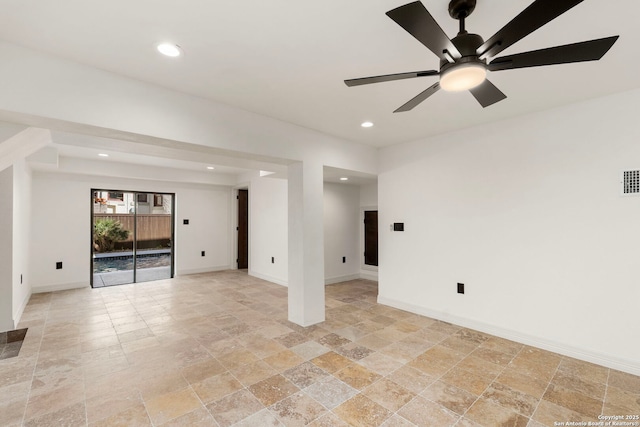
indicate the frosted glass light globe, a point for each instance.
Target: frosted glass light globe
{"x":463,"y":77}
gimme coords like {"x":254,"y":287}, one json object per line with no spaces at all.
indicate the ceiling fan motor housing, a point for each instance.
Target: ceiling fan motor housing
{"x":467,"y":44}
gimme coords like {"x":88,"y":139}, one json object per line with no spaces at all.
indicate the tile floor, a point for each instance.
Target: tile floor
{"x":216,"y":350}
{"x":11,"y":342}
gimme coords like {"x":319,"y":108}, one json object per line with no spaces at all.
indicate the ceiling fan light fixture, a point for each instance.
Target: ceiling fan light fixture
{"x":463,"y":77}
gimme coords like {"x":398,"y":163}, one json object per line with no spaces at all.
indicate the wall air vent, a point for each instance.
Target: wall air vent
{"x":631,"y":183}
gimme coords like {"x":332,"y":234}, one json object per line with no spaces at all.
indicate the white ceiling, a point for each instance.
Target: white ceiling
{"x":288,"y":58}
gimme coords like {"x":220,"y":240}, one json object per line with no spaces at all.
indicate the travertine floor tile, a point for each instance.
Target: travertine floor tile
{"x":216,"y":387}
{"x":12,"y":410}
{"x":397,"y":421}
{"x":171,"y":405}
{"x":573,"y":400}
{"x":331,"y":362}
{"x":305,"y":374}
{"x":357,"y":376}
{"x":273,"y":389}
{"x":283,"y":360}
{"x":73,"y":415}
{"x":624,"y":381}
{"x":234,"y":407}
{"x":485,"y":412}
{"x":388,"y":394}
{"x":199,"y":417}
{"x":328,"y":420}
{"x":473,"y":382}
{"x":412,"y":379}
{"x":425,"y":413}
{"x":297,"y":410}
{"x":362,"y":411}
{"x":518,"y":380}
{"x":261,"y":418}
{"x":453,"y":398}
{"x":163,"y":350}
{"x":202,"y":370}
{"x":330,"y":391}
{"x":511,"y":399}
{"x":134,"y":416}
{"x":548,"y":414}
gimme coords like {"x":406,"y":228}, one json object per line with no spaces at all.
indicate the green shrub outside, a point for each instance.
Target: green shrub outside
{"x":106,"y":233}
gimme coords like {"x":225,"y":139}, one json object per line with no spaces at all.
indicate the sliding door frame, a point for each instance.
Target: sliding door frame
{"x":135,"y":228}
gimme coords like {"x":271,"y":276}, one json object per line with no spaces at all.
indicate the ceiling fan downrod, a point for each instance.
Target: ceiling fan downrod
{"x":460,"y":10}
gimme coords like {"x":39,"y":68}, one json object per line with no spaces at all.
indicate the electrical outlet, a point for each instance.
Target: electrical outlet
{"x":461,"y":288}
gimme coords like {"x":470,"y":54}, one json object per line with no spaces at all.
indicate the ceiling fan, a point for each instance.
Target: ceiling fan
{"x":465,"y":59}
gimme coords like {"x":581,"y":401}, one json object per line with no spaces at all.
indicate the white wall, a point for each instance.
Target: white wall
{"x":22,"y":178}
{"x":61,"y":226}
{"x":369,"y":195}
{"x":341,"y":232}
{"x":208,"y":230}
{"x":6,"y":250}
{"x":528,"y":214}
{"x":268,"y":229}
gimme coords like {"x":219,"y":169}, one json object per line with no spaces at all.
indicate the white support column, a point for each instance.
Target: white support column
{"x":306,"y":244}
{"x":6,"y":250}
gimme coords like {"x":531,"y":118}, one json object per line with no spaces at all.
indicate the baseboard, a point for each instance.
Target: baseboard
{"x":20,"y":311}
{"x":632,"y":367}
{"x":59,"y":287}
{"x":202,"y":270}
{"x":338,"y":279}
{"x":269,"y":278}
{"x":369,"y":275}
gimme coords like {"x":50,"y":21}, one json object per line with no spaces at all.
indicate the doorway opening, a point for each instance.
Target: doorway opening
{"x":371,"y":238}
{"x":132,"y":237}
{"x":243,"y":229}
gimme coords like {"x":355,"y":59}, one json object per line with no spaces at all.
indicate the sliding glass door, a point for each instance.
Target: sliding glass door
{"x":132,"y":237}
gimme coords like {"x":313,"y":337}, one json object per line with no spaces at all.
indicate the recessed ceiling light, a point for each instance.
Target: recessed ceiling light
{"x":366,"y":124}
{"x":344,"y":178}
{"x":210,"y":168}
{"x":169,"y":49}
{"x":103,"y":155}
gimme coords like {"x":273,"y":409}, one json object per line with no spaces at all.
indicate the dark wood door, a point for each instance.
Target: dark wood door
{"x":243,"y":229}
{"x":371,"y":237}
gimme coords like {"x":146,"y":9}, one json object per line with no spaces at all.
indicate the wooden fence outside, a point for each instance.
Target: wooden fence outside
{"x":151,"y":227}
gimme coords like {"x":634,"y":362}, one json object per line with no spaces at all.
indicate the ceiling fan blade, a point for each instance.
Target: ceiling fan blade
{"x":418,"y":22}
{"x":576,"y":52}
{"x":389,"y":77}
{"x":533,"y":17}
{"x":487,"y":94}
{"x":419,"y":98}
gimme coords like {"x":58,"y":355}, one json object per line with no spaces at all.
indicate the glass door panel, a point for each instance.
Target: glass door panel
{"x":113,"y":222}
{"x":153,"y":236}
